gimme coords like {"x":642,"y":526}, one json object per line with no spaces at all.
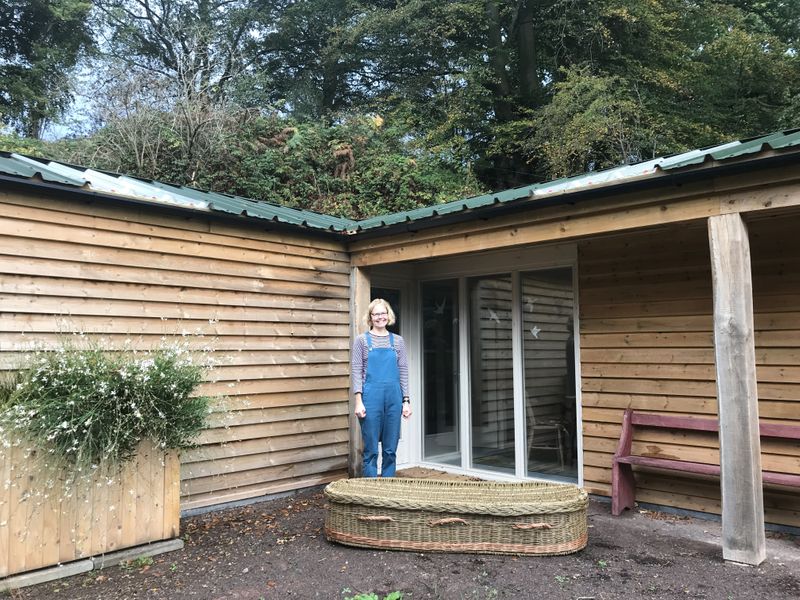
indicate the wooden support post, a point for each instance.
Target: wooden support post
{"x":359,"y":301}
{"x":737,"y":397}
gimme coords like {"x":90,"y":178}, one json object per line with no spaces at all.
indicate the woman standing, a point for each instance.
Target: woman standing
{"x":379,"y":372}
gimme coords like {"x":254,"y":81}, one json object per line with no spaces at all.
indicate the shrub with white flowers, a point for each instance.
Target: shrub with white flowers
{"x":87,"y":407}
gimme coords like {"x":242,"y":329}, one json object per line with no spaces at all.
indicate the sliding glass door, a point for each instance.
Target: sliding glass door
{"x":547,"y":306}
{"x":492,"y":384}
{"x":518,"y":411}
{"x":440,"y":372}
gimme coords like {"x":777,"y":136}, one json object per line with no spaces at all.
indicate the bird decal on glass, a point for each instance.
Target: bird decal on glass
{"x":529,"y":303}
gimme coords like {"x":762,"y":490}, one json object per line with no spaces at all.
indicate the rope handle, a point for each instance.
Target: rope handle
{"x":376,"y":518}
{"x":531,"y":526}
{"x":447,"y":521}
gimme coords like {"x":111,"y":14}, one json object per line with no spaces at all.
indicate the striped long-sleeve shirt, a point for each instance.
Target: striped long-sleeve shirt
{"x":359,"y":357}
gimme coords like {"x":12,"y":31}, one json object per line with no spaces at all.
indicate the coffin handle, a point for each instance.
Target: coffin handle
{"x":531,"y":526}
{"x":447,"y":521}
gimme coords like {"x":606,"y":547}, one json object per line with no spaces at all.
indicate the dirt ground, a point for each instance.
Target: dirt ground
{"x":277,"y":549}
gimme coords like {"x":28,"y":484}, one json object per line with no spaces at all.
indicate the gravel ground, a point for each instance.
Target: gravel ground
{"x":277,"y":549}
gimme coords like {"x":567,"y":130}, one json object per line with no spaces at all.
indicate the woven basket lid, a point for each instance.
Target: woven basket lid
{"x":473,"y":497}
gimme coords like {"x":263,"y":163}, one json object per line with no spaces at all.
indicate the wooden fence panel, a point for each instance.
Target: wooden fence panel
{"x":42,"y":523}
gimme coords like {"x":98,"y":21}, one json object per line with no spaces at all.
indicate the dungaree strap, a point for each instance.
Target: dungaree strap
{"x":368,"y":339}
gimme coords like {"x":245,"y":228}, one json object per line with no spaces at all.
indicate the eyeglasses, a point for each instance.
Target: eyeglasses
{"x":378,"y":315}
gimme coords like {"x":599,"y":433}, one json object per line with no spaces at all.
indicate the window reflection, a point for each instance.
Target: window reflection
{"x":491,"y":366}
{"x":440,"y":372}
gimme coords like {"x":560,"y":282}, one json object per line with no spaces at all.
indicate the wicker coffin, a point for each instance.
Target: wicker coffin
{"x":457,"y":516}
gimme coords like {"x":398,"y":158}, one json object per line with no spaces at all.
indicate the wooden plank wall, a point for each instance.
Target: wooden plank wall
{"x":776,"y":306}
{"x":272,"y":306}
{"x":42,"y":523}
{"x":647,"y":342}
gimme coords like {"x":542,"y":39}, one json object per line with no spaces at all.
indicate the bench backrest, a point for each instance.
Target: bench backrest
{"x":631,"y":418}
{"x":791,"y":432}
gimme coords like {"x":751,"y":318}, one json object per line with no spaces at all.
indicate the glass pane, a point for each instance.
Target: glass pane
{"x":548,"y":347}
{"x":440,"y":372}
{"x":393,"y":298}
{"x":492,"y":389}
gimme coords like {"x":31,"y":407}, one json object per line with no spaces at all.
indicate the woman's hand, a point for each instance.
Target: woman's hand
{"x":406,"y":410}
{"x":361,"y":410}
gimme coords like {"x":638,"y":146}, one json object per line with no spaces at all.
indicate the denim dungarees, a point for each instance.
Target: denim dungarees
{"x":383,"y":399}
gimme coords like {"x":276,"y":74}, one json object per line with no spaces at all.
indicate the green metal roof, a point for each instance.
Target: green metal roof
{"x":163,"y":193}
{"x":111,"y":184}
{"x":594,"y":180}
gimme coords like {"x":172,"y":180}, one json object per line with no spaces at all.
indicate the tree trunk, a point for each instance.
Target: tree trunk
{"x":498,"y":59}
{"x":330,"y":85}
{"x":530,"y":85}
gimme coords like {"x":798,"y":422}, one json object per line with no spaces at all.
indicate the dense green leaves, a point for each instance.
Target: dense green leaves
{"x":593,"y":122}
{"x":266,"y":97}
{"x":40,"y":41}
{"x":356,"y":167}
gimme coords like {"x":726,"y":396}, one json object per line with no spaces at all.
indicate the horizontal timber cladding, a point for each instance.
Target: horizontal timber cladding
{"x":273,"y":307}
{"x":647,"y":342}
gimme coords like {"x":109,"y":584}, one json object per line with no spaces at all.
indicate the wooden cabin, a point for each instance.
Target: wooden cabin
{"x":534,"y":317}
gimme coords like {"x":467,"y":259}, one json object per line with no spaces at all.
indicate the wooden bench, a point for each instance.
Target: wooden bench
{"x":623,"y":485}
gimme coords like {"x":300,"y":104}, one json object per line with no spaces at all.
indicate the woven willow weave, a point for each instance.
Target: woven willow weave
{"x":457,"y":516}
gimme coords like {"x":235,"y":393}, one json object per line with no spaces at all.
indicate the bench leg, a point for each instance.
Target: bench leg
{"x":623,"y":488}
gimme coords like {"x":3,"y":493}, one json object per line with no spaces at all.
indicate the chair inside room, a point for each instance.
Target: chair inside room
{"x":547,"y":434}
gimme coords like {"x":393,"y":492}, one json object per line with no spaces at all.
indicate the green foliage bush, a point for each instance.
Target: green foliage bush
{"x":84,"y":407}
{"x":357,"y":167}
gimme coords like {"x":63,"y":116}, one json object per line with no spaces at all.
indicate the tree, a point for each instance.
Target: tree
{"x":152,"y":126}
{"x":464,"y":74}
{"x":40,"y":43}
{"x":311,"y":62}
{"x":592,"y":123}
{"x":198,"y":43}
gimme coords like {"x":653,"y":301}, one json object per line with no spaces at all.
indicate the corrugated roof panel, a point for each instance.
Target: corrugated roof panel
{"x":595,"y":179}
{"x":790,"y":138}
{"x":267,"y":210}
{"x":16,"y":164}
{"x":231,"y":206}
{"x":435,"y":210}
{"x":136,"y":188}
{"x":10,"y":166}
{"x":164,"y":193}
{"x":258,"y":209}
{"x":238,"y":205}
{"x":775,"y":141}
{"x":185,"y":196}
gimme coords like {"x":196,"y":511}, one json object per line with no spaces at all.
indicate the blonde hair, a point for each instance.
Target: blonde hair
{"x":371,"y":307}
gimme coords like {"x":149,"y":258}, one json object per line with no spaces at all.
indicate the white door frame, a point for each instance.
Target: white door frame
{"x":408,"y":449}
{"x":506,"y":261}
